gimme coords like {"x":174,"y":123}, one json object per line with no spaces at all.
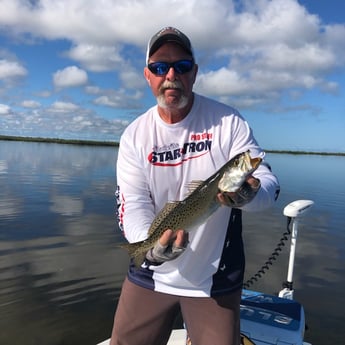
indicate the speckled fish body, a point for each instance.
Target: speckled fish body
{"x":196,"y":208}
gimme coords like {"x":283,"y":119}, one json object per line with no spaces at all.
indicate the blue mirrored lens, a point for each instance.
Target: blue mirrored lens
{"x":183,"y":66}
{"x":162,"y":68}
{"x":159,"y":68}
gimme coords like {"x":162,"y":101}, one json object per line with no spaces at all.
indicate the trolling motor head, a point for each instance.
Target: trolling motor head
{"x":297,"y":208}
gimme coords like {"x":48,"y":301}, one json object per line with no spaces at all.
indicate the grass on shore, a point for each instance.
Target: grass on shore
{"x":116,"y":144}
{"x":59,"y":141}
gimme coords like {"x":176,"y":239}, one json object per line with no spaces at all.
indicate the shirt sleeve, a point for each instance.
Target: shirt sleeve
{"x":135,"y":206}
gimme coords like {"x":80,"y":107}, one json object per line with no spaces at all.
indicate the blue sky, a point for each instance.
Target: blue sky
{"x":74,"y":68}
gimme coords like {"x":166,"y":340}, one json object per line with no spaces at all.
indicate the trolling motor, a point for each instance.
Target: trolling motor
{"x":294,"y":212}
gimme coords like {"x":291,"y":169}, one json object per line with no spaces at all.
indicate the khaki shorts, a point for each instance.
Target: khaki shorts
{"x":146,"y":317}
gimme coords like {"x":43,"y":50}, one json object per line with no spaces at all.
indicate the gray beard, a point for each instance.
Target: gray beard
{"x":172,"y":84}
{"x":180,"y":105}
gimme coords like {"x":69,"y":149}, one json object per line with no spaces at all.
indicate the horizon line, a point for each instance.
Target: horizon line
{"x":116,"y":144}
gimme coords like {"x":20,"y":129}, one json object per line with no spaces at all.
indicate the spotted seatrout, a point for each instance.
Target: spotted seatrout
{"x":197,"y":206}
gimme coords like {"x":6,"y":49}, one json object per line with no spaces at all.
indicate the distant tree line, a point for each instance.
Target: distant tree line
{"x":114,"y":143}
{"x":59,"y":141}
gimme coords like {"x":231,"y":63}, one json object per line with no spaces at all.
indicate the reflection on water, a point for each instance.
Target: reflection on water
{"x":320,"y":261}
{"x":61,"y":270}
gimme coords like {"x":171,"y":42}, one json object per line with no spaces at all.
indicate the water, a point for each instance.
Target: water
{"x":60,"y":269}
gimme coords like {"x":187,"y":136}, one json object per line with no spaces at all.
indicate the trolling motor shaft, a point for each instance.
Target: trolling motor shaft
{"x":294,"y":212}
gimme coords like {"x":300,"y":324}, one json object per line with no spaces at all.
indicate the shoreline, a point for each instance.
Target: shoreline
{"x":59,"y":141}
{"x":116,"y":144}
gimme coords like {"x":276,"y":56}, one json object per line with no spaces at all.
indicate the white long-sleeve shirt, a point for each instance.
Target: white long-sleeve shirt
{"x":156,"y":163}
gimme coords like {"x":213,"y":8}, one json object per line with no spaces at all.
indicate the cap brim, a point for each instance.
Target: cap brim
{"x":169,"y":38}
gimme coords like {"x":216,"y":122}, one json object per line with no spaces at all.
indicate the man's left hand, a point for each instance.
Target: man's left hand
{"x":243,"y":195}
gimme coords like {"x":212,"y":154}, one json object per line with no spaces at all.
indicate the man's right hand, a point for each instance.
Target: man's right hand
{"x":170,"y":246}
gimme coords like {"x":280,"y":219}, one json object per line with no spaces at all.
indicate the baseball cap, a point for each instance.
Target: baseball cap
{"x":168,"y":34}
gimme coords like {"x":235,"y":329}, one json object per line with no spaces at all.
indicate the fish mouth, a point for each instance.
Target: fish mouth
{"x":241,"y":166}
{"x":255,"y":162}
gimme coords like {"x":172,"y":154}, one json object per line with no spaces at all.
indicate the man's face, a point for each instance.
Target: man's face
{"x":172,"y":90}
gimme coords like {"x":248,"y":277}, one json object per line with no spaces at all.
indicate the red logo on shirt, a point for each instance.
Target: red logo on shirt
{"x":173,"y":154}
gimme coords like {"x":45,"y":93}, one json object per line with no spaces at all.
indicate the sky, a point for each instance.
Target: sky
{"x":73,"y":69}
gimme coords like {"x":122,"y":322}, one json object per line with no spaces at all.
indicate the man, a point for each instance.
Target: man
{"x":185,"y":137}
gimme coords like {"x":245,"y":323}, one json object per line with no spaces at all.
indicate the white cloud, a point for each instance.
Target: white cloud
{"x":4,"y":109}
{"x":44,"y":93}
{"x":108,"y":101}
{"x":60,"y":120}
{"x":98,"y":33}
{"x":11,"y":69}
{"x":272,"y":47}
{"x":69,"y":77}
{"x":96,"y":58}
{"x":119,"y":99}
{"x":83,"y":21}
{"x":266,"y":22}
{"x":63,"y":107}
{"x":250,"y":50}
{"x":92,"y":90}
{"x":308,"y":58}
{"x":132,"y":78}
{"x":30,"y":104}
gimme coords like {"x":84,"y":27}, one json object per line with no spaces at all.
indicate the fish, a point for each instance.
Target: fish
{"x":200,"y":203}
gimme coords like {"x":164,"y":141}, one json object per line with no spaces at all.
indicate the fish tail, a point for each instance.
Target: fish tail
{"x":139,"y":259}
{"x":132,"y":247}
{"x":135,"y":252}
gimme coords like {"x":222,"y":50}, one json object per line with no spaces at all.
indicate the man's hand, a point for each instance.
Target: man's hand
{"x":243,"y":195}
{"x":170,"y":245}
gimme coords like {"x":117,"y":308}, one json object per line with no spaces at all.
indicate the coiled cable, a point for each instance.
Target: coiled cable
{"x":265,"y":267}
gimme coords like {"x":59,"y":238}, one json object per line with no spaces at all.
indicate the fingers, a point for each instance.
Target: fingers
{"x":170,"y":246}
{"x":253,"y":182}
{"x":222,"y":198}
{"x":166,"y":237}
{"x":179,"y":238}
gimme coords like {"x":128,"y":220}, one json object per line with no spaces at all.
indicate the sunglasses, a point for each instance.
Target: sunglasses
{"x":162,"y":68}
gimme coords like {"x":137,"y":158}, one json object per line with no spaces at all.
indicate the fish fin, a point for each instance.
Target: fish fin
{"x":132,"y":247}
{"x":193,"y":185}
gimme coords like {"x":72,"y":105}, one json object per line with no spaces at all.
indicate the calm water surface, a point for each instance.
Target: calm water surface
{"x":60,"y":269}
